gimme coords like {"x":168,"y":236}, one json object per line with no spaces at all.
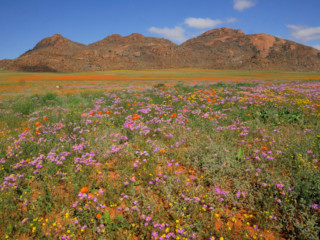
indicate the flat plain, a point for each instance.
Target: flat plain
{"x":160,"y":154}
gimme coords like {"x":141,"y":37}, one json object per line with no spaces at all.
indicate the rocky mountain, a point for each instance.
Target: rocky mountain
{"x":222,"y":48}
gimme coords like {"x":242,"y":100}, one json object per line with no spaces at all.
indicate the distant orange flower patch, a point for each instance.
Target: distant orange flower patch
{"x":26,"y":129}
{"x":38,"y":124}
{"x":162,"y":150}
{"x":98,"y":215}
{"x":84,"y":190}
{"x":45,"y":119}
{"x":173,"y":115}
{"x":108,"y":112}
{"x":264,"y":148}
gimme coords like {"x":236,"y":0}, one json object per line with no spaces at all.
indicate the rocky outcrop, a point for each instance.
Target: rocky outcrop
{"x":222,"y":48}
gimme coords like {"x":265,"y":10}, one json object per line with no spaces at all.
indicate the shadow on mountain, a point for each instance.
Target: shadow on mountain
{"x":37,"y":68}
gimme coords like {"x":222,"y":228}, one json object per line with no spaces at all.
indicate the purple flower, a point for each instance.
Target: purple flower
{"x":154,"y":234}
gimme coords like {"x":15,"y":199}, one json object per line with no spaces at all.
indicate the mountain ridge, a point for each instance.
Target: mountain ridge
{"x":222,"y":48}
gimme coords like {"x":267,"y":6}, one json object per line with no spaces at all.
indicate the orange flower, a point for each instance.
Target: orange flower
{"x":264,"y":148}
{"x":37,"y":132}
{"x":173,"y":115}
{"x":162,"y":150}
{"x":100,"y":112}
{"x":135,"y":116}
{"x":84,"y":190}
{"x":26,"y":129}
{"x":99,"y":215}
{"x":45,"y":119}
{"x":38,"y":124}
{"x":90,"y":195}
{"x":92,"y":113}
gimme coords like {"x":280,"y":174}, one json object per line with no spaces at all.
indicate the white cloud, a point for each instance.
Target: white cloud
{"x":241,"y":5}
{"x":176,"y":34}
{"x":305,"y":33}
{"x":202,"y":23}
{"x":317,"y":46}
{"x":232,"y":20}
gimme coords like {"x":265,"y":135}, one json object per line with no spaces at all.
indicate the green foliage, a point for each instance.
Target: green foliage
{"x":240,"y":154}
{"x":159,"y":85}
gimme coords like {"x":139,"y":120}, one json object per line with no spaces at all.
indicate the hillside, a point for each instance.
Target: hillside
{"x":222,"y":48}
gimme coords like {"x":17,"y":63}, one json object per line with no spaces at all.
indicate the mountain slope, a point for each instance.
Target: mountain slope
{"x":222,"y":48}
{"x":227,"y":48}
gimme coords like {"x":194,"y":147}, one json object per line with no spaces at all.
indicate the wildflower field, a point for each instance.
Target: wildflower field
{"x":146,"y":158}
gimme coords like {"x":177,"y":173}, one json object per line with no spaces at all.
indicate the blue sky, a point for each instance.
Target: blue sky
{"x":23,"y":23}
